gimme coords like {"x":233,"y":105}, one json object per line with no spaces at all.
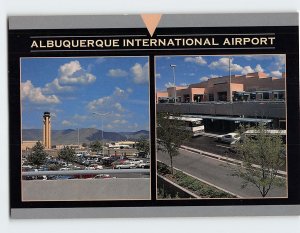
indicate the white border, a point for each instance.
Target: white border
{"x":213,"y":225}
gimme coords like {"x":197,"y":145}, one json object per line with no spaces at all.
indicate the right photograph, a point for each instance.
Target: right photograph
{"x":221,"y":126}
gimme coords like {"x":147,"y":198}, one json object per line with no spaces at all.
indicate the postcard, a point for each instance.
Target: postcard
{"x":154,"y":115}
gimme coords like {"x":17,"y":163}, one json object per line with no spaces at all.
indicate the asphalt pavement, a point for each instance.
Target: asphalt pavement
{"x":216,"y":172}
{"x":211,"y":145}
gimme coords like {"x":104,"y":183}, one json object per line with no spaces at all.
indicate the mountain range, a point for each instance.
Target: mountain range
{"x":86,"y":135}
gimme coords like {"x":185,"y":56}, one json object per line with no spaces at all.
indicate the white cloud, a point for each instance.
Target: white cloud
{"x":157,"y":75}
{"x":35,"y":94}
{"x":119,"y":92}
{"x":119,"y":107}
{"x":73,"y":73}
{"x":69,"y":74}
{"x":117,"y":73}
{"x":258,"y":68}
{"x":279,"y":62}
{"x":205,"y":78}
{"x":223,"y":64}
{"x":169,"y":84}
{"x":55,"y":87}
{"x":198,"y":60}
{"x":99,"y":102}
{"x":109,"y":126}
{"x":66,"y":123}
{"x":246,"y":70}
{"x":183,"y":84}
{"x":118,"y":121}
{"x":129,"y":90}
{"x":276,"y":73}
{"x":140,"y":73}
{"x":106,"y":103}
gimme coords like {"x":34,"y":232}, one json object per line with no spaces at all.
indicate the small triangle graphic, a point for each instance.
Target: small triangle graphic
{"x":151,"y":21}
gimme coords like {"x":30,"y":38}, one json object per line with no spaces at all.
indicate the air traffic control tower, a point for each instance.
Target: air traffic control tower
{"x":47,"y":130}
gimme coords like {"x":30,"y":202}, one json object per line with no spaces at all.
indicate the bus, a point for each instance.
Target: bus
{"x":192,"y":124}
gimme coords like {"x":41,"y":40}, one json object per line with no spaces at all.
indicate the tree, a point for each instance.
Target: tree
{"x":96,"y":146}
{"x":67,"y":154}
{"x":170,"y":134}
{"x":38,"y":155}
{"x":84,"y":145}
{"x":143,"y":145}
{"x":262,"y":156}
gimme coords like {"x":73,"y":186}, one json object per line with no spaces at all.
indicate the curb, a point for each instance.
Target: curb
{"x":210,"y":184}
{"x":225,"y":159}
{"x":206,"y":182}
{"x":180,"y":187}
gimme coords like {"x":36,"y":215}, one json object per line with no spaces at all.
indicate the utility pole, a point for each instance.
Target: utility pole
{"x":78,"y":137}
{"x":230,"y":91}
{"x":173,"y":68}
{"x":101,"y":115}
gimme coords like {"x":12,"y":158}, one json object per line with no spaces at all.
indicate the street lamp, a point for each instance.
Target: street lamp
{"x":230,"y":92}
{"x":173,"y":68}
{"x":101,"y":115}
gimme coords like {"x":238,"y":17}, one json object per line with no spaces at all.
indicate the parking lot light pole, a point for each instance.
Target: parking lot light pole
{"x":230,"y":91}
{"x":173,"y":68}
{"x":101,"y":115}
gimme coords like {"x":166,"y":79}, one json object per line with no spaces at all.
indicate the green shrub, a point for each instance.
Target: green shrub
{"x":199,"y":188}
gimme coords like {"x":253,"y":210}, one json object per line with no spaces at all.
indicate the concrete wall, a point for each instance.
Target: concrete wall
{"x":86,"y":190}
{"x":172,"y":189}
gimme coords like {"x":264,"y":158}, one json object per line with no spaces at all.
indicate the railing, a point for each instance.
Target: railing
{"x":227,"y":102}
{"x":85,"y":172}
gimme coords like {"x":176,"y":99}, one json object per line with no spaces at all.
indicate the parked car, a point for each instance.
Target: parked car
{"x":144,"y":165}
{"x":96,"y":166}
{"x":102,"y":176}
{"x":136,"y":161}
{"x":126,"y":165}
{"x":230,"y":138}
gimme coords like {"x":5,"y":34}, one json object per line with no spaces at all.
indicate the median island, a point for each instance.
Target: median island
{"x":181,"y":185}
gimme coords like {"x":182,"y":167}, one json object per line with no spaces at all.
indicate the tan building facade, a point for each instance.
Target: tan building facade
{"x":26,"y":145}
{"x":252,"y":86}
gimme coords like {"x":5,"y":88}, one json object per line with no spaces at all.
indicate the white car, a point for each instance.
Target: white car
{"x":127,"y":165}
{"x":136,"y":161}
{"x":144,"y":164}
{"x":230,"y":138}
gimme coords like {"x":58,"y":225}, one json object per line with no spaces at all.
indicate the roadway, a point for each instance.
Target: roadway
{"x":210,"y":144}
{"x":215,"y":172}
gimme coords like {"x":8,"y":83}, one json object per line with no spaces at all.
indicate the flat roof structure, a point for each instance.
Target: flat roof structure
{"x":235,"y":119}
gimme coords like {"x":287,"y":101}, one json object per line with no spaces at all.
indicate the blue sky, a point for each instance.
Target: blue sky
{"x":194,"y":69}
{"x":72,"y":89}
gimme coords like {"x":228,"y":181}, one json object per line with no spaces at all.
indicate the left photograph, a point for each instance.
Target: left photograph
{"x":85,"y":128}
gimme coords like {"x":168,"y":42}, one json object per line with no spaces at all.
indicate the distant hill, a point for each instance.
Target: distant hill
{"x":136,"y":135}
{"x":70,"y":136}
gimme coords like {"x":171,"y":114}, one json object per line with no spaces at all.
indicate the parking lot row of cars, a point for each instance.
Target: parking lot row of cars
{"x":98,"y":162}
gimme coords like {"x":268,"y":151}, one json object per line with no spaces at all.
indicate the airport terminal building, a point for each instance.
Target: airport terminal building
{"x":228,"y":101}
